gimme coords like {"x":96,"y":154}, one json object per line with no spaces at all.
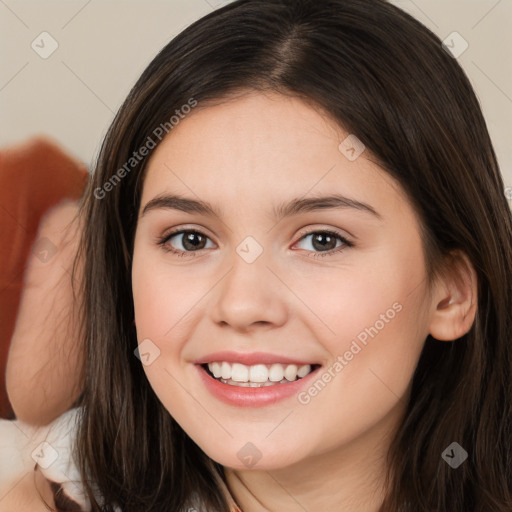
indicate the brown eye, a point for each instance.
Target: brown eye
{"x":192,"y":241}
{"x":184,"y":241}
{"x":324,"y":243}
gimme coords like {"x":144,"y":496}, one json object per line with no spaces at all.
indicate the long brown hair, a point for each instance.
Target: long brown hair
{"x":384,"y":77}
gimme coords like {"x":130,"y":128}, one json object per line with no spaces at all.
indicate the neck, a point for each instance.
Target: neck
{"x":347,"y":478}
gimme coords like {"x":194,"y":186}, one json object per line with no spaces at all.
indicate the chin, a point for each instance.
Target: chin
{"x":249,"y":456}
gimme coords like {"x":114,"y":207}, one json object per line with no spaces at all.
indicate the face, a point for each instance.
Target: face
{"x":321,"y":304}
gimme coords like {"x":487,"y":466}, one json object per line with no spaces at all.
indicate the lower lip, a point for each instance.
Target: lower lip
{"x":253,"y":397}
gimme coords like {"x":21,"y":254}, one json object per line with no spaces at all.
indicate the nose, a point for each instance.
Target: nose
{"x":250,"y":295}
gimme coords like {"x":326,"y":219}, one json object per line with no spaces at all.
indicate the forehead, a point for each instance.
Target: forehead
{"x":261,"y":147}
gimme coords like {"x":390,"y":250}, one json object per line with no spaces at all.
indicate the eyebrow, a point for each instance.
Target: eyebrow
{"x":294,"y":207}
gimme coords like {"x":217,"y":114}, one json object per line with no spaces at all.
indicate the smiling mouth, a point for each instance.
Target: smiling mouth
{"x":258,"y":375}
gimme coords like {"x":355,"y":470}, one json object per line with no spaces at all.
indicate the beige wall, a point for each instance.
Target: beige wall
{"x":103,"y":46}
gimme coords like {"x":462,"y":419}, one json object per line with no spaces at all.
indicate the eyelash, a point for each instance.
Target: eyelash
{"x":346,"y":244}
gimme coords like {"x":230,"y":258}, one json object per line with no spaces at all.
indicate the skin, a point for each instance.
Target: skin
{"x":246,"y":156}
{"x":42,"y":381}
{"x":29,"y":491}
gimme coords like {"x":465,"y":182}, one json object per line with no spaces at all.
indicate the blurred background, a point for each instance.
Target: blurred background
{"x":67,"y":65}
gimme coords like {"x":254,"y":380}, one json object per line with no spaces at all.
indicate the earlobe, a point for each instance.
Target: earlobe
{"x":454,"y":300}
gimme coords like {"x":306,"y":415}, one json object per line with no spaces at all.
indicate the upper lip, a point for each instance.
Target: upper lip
{"x":249,"y":359}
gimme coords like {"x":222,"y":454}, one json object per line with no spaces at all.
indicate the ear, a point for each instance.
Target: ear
{"x":454,"y":299}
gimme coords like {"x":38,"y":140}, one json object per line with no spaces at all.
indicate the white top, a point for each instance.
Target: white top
{"x":48,"y":449}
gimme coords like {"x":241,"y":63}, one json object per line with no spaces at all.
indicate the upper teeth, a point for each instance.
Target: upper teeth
{"x":258,"y":372}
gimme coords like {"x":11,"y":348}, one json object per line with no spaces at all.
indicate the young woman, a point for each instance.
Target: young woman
{"x":297,"y":274}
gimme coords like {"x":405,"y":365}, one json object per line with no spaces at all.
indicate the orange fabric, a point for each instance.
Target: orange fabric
{"x":34,"y":177}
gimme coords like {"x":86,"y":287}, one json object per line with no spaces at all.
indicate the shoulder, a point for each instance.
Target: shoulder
{"x":22,"y":486}
{"x":26,"y":493}
{"x":56,"y":461}
{"x":42,"y":470}
{"x":55,"y":478}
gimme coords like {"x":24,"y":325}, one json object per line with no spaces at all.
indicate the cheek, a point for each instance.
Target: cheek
{"x":168,"y":307}
{"x":374,"y":321}
{"x":359,"y":304}
{"x":165,"y":299}
{"x":376,"y":347}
